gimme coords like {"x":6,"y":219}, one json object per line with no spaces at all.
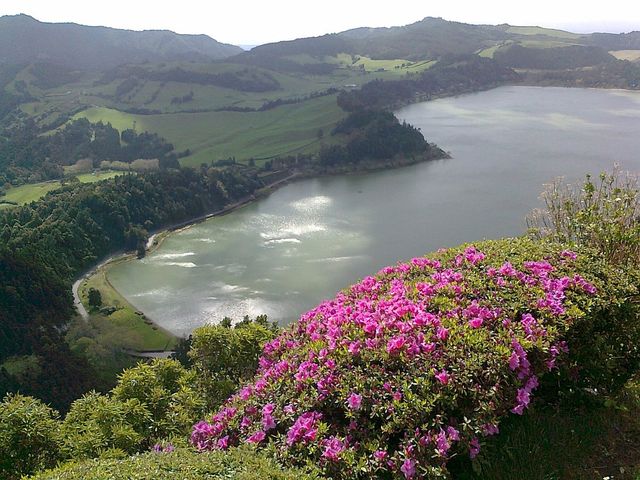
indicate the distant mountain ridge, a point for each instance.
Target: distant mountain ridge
{"x":426,"y":38}
{"x":433,"y":38}
{"x":23,"y":39}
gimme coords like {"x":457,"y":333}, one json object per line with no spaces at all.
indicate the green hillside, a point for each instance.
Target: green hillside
{"x":23,"y":39}
{"x":216,"y":135}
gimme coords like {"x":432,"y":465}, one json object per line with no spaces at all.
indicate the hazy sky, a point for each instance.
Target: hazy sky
{"x":260,"y":21}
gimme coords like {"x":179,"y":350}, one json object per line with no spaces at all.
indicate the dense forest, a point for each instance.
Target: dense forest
{"x":44,"y":244}
{"x":28,"y":155}
{"x":448,"y":77}
{"x":375,"y":135}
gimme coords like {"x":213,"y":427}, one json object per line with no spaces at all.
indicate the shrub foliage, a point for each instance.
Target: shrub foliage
{"x":603,"y":213}
{"x":180,"y":464}
{"x":29,"y":437}
{"x":405,"y":370}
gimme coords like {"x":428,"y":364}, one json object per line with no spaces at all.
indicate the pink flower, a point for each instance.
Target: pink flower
{"x":514,"y":361}
{"x":474,"y":447}
{"x":268,"y":422}
{"x":256,"y":437}
{"x":476,"y":322}
{"x":223,"y":443}
{"x":442,"y":444}
{"x":354,"y":401}
{"x":453,"y":434}
{"x":395,"y":344}
{"x":443,"y":377}
{"x":507,"y":270}
{"x":304,"y":429}
{"x":490,"y":429}
{"x":380,"y":455}
{"x":408,"y":468}
{"x":354,"y":347}
{"x":333,"y":447}
{"x":442,"y":333}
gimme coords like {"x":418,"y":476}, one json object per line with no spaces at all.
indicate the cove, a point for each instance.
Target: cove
{"x":284,"y":254}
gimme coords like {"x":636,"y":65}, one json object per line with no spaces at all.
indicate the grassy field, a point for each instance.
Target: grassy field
{"x":34,"y":191}
{"x":29,"y":193}
{"x":549,"y":32}
{"x":216,"y":135}
{"x":631,"y":55}
{"x":488,"y":52}
{"x":137,"y":334}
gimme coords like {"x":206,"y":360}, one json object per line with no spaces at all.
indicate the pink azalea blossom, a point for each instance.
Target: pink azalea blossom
{"x":443,"y":377}
{"x":476,"y":322}
{"x":257,"y":437}
{"x":408,"y":468}
{"x":354,"y":401}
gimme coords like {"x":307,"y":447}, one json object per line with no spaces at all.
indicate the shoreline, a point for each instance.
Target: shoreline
{"x":157,"y":238}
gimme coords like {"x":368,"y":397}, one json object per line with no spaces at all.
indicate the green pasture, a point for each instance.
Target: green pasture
{"x":34,"y":191}
{"x":29,"y":193}
{"x":216,"y":135}
{"x":549,"y":32}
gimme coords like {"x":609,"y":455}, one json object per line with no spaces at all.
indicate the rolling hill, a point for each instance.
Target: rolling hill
{"x":23,"y":40}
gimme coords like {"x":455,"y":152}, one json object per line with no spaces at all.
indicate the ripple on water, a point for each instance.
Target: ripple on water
{"x":278,"y":241}
{"x":311,"y":204}
{"x":290,"y":229}
{"x":170,"y":256}
{"x":177,"y":264}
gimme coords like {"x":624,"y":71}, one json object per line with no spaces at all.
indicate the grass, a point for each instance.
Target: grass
{"x":549,"y":32}
{"x":489,"y":52}
{"x":138,"y":334}
{"x":20,"y":365}
{"x":29,"y":193}
{"x":573,"y":442}
{"x":35,"y":191}
{"x":631,"y":55}
{"x":98,"y":176}
{"x":216,"y":135}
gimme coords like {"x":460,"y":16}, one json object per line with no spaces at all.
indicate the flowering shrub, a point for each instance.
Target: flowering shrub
{"x":406,"y":369}
{"x":603,"y":213}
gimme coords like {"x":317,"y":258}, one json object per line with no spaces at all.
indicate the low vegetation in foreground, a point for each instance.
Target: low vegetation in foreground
{"x":482,"y":361}
{"x":422,"y":362}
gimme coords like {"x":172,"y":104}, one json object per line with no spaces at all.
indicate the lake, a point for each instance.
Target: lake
{"x":286,"y":253}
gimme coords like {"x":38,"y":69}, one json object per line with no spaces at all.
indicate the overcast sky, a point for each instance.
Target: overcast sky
{"x":253,"y":22}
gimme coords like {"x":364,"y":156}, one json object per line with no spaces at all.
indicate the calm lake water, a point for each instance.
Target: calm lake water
{"x":286,"y":253}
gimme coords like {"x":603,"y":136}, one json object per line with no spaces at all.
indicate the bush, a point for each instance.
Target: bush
{"x":224,"y":356}
{"x":151,"y":402}
{"x":179,"y":465}
{"x":407,"y":369}
{"x":29,"y":436}
{"x":99,"y":425}
{"x":603,"y":215}
{"x":168,"y":392}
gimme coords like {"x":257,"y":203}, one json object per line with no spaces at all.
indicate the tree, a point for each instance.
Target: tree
{"x":95,"y":298}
